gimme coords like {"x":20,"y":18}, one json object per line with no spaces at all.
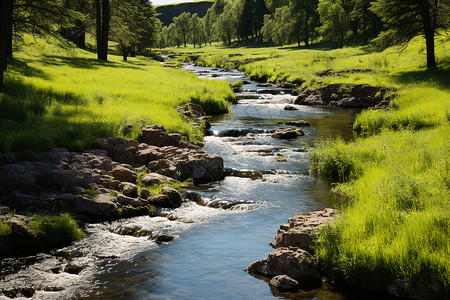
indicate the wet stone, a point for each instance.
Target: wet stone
{"x":73,"y":269}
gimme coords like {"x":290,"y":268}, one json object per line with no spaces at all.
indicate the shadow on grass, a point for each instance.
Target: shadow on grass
{"x":439,"y":77}
{"x":41,"y":119}
{"x":24,"y":93}
{"x":83,"y":63}
{"x":44,"y":133}
{"x":21,"y":67}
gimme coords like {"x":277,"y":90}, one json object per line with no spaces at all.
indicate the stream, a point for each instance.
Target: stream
{"x":212,"y":245}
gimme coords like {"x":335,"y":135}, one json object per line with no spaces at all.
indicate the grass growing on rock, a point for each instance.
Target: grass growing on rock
{"x":59,"y":96}
{"x":57,"y":229}
{"x":5,"y":228}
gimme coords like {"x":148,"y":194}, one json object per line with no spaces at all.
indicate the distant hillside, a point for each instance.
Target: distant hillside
{"x":168,"y":12}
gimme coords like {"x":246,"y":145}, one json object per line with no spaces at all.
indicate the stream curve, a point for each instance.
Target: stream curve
{"x":213,"y":243}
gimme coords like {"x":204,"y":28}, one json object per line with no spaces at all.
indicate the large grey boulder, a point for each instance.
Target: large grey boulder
{"x":101,"y":207}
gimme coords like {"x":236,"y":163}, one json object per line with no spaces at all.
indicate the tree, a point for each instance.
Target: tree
{"x":407,"y":19}
{"x":272,"y":5}
{"x":208,"y":21}
{"x":278,"y":27}
{"x":196,"y":29}
{"x":334,"y":20}
{"x":37,"y":17}
{"x":182,"y":22}
{"x":175,"y":38}
{"x":226,"y":24}
{"x":77,"y":32}
{"x":103,"y":18}
{"x":245,"y":19}
{"x":5,"y":21}
{"x":259,"y":10}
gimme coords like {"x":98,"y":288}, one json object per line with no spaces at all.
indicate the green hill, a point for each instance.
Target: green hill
{"x":168,"y":12}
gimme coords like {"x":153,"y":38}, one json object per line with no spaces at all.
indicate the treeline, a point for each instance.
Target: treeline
{"x":131,"y":24}
{"x":307,"y":21}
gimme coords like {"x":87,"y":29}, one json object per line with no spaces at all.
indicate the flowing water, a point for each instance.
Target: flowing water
{"x":212,"y":245}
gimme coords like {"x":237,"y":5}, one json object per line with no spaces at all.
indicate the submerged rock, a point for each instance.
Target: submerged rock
{"x":290,"y":107}
{"x":298,"y":123}
{"x":240,"y":132}
{"x":287,"y":133}
{"x":284,"y":283}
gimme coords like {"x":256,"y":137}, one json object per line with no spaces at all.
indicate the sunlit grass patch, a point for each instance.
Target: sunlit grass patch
{"x":5,"y":228}
{"x":57,"y":229}
{"x":396,"y":224}
{"x":65,"y":97}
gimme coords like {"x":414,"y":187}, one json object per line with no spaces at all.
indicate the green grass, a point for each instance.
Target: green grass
{"x":61,"y":96}
{"x":5,"y":228}
{"x":397,"y":222}
{"x":395,"y":176}
{"x":57,"y":229}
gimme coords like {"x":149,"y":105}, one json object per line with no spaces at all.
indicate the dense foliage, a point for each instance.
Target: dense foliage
{"x":336,"y":22}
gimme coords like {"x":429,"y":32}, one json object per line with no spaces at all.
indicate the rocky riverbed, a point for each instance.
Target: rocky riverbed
{"x":106,"y":183}
{"x":259,"y":152}
{"x":292,"y":266}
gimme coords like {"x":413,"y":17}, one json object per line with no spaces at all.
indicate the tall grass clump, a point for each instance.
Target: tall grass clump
{"x":397,"y":222}
{"x":56,"y":229}
{"x":5,"y":228}
{"x":62,"y":97}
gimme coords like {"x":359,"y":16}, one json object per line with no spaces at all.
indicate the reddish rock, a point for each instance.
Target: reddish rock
{"x":156,"y":135}
{"x":301,"y":227}
{"x":122,"y":173}
{"x":293,"y":262}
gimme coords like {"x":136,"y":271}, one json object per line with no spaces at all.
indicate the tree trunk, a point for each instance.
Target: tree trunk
{"x":429,"y":29}
{"x":9,"y":41}
{"x":4,"y":29}
{"x":306,"y":29}
{"x":98,"y":24}
{"x":125,"y":53}
{"x":364,"y":22}
{"x":431,"y":58}
{"x":106,"y":17}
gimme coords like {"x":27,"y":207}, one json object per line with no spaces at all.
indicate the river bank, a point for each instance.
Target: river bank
{"x":392,"y":234}
{"x":261,"y":204}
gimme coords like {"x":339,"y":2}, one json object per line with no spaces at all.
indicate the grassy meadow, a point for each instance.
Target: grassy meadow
{"x":60,"y":96}
{"x":395,"y":176}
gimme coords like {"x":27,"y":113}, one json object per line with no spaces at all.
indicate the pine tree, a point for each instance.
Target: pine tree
{"x":407,"y":19}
